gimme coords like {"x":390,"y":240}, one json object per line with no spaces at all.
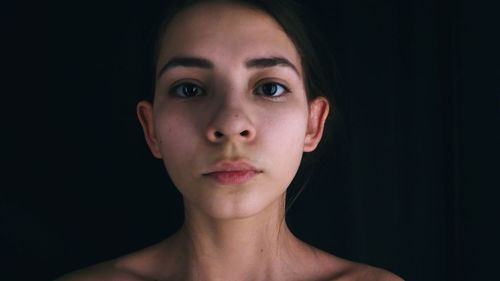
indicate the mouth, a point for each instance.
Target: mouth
{"x":232,"y":172}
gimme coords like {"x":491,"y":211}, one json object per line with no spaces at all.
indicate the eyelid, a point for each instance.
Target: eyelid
{"x":186,"y":81}
{"x":272,"y":80}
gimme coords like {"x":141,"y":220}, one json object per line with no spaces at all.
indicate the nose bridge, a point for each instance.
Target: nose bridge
{"x":231,"y":116}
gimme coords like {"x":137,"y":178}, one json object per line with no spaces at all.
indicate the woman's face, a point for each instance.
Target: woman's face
{"x":230,"y":117}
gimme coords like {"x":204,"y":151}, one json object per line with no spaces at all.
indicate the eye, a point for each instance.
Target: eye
{"x":187,"y":90}
{"x":271,"y":89}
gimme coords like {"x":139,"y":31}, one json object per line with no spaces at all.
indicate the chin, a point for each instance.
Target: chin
{"x":239,"y":205}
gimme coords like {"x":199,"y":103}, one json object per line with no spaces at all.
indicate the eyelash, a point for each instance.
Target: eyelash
{"x":285,"y":89}
{"x":175,"y":88}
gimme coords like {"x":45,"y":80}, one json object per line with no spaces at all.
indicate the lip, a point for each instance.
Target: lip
{"x":232,"y":172}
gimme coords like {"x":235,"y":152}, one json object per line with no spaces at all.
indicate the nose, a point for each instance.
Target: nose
{"x":230,"y":123}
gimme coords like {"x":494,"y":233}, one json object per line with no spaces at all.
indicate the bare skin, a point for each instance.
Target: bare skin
{"x":168,"y":261}
{"x":232,"y":231}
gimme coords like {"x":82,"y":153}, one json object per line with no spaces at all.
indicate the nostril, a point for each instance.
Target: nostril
{"x":218,"y":134}
{"x":245,"y":133}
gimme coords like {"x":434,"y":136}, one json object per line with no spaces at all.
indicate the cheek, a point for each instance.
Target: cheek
{"x":177,"y":137}
{"x":282,"y":136}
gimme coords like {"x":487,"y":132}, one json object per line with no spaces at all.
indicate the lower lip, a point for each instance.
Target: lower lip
{"x":233,"y":177}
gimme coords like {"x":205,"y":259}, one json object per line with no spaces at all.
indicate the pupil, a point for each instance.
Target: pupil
{"x":190,"y":90}
{"x":270,"y":89}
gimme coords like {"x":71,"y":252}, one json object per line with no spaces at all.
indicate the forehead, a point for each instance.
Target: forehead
{"x":225,"y":32}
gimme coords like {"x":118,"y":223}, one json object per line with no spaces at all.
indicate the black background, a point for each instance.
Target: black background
{"x":411,"y":187}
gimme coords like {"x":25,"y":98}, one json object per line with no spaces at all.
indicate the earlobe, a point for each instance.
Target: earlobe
{"x":318,"y":112}
{"x":145,"y":115}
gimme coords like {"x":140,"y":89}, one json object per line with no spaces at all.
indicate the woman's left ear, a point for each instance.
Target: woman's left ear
{"x":318,"y":112}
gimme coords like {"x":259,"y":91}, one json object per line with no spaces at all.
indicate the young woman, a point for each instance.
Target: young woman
{"x":236,"y":105}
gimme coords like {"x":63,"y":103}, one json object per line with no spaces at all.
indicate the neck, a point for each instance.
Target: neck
{"x":252,"y":248}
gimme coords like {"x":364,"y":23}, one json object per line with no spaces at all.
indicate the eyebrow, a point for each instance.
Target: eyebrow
{"x":270,"y":62}
{"x":206,"y":64}
{"x":186,"y":62}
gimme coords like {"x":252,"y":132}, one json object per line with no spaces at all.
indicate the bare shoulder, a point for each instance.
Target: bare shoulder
{"x":103,"y":271}
{"x":338,"y":269}
{"x":370,"y":273}
{"x":148,"y":264}
{"x":135,"y":266}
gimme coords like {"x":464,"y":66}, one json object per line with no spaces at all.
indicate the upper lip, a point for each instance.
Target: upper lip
{"x":231,"y":166}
